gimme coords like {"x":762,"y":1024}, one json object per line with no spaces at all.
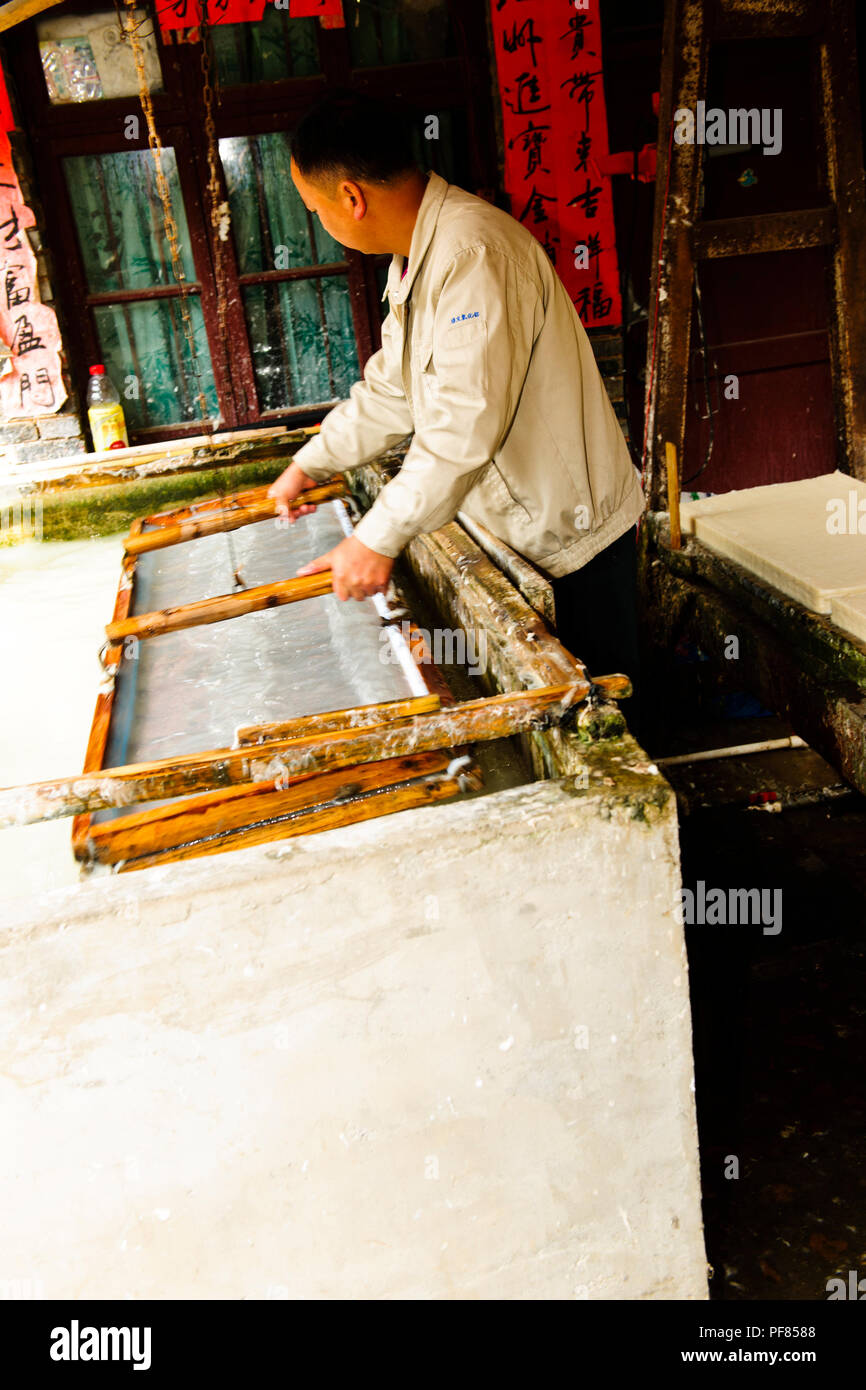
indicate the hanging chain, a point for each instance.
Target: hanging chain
{"x":219,"y":211}
{"x":218,"y":218}
{"x":129,"y":30}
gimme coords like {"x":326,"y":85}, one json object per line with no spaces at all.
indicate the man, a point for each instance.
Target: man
{"x":484,"y":357}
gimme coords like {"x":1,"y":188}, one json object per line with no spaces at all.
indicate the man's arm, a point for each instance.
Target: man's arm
{"x":375,"y":417}
{"x":487,"y":318}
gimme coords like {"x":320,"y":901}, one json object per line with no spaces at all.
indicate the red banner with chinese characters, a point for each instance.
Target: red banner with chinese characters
{"x":548,"y":58}
{"x":316,"y":9}
{"x":186,"y":14}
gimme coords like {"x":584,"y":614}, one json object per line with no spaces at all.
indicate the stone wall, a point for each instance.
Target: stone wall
{"x":443,"y":1055}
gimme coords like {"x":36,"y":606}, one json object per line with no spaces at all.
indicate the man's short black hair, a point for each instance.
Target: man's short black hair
{"x":350,"y":135}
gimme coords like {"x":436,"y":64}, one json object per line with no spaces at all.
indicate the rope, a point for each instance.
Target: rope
{"x":218,"y":212}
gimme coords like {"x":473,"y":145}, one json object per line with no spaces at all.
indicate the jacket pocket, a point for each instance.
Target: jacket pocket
{"x":495,"y":498}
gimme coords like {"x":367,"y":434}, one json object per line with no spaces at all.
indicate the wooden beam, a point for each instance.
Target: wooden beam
{"x":685,"y":44}
{"x":231,"y":517}
{"x":188,"y":455}
{"x":361,"y":717}
{"x":17,"y":11}
{"x":98,"y":740}
{"x":379,"y":803}
{"x":196,"y":818}
{"x":491,"y":608}
{"x":841,"y":154}
{"x":770,"y":231}
{"x":767,"y":19}
{"x":222,"y":607}
{"x":537,"y":590}
{"x":498,"y":716}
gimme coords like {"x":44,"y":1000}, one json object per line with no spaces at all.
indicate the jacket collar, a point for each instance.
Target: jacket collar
{"x":422,"y":234}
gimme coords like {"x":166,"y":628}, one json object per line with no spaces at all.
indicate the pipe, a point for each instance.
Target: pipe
{"x":736,"y":750}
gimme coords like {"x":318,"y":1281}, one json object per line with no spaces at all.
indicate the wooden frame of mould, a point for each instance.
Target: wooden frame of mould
{"x":538,"y":680}
{"x":272,"y":808}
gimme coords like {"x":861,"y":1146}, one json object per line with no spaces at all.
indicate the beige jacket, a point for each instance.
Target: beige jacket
{"x":484,"y":357}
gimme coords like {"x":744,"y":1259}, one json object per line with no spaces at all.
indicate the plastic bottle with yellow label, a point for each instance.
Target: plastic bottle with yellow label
{"x":105,"y":413}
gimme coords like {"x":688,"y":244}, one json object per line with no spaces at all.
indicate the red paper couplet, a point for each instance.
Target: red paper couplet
{"x":548,"y":57}
{"x":178,"y":14}
{"x":31,"y":381}
{"x":315,"y":9}
{"x":187,"y":14}
{"x":7,"y":120}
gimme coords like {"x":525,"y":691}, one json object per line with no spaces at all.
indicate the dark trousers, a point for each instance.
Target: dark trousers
{"x":596,"y":616}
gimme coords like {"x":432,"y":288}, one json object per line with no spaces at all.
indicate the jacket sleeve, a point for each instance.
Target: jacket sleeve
{"x":375,"y":417}
{"x":486,"y":320}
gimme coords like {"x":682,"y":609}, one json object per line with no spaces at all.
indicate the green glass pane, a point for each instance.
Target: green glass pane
{"x":146,"y":354}
{"x":398,"y":31}
{"x":303,"y":341}
{"x":270,"y":51}
{"x":271,"y":227}
{"x":438,"y":153}
{"x":119,"y":220}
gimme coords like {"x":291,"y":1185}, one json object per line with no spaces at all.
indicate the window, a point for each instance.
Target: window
{"x":300,"y":314}
{"x":299,"y":317}
{"x":276,"y":48}
{"x":399,"y":31}
{"x":132,"y":292}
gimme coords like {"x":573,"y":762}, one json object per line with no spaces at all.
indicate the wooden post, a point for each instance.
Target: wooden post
{"x":673,"y":494}
{"x":223,"y":606}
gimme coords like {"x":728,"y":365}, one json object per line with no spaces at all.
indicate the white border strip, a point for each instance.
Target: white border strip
{"x":417,"y":683}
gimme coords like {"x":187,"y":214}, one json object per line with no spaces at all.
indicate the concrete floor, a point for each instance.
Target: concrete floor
{"x":55,"y":599}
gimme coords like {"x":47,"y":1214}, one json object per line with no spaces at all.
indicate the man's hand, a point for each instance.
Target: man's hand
{"x":358,"y":572}
{"x":286,"y":488}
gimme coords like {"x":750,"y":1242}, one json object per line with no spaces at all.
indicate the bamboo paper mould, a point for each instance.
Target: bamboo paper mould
{"x":190,"y":664}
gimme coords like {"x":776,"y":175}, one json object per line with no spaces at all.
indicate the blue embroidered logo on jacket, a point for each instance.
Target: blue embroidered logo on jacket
{"x":460,"y":317}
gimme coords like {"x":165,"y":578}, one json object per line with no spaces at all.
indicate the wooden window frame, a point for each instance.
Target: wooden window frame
{"x":243,"y":111}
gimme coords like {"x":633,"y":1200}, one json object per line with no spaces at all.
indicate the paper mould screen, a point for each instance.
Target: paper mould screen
{"x":188,"y":691}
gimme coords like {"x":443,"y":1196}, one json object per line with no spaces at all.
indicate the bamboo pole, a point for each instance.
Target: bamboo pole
{"x":216,"y":503}
{"x":379,"y":803}
{"x":223,"y":606}
{"x":235,"y":809}
{"x":229,"y":518}
{"x":98,"y":740}
{"x":498,"y":716}
{"x":360,"y":717}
